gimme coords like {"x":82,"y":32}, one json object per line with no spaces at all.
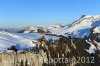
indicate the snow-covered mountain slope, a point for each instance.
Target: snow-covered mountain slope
{"x":22,"y":40}
{"x":82,"y":27}
{"x":31,"y":29}
{"x":53,"y":29}
{"x":96,"y":30}
{"x":9,"y":39}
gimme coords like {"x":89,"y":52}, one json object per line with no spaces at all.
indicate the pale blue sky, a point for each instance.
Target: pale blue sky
{"x":45,"y":12}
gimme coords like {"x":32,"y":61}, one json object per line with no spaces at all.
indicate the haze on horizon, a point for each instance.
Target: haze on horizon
{"x":44,"y":12}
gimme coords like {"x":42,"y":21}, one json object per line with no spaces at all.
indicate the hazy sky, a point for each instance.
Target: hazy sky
{"x":42,"y":12}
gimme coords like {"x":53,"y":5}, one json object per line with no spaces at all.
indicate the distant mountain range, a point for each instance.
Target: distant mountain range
{"x":80,"y":28}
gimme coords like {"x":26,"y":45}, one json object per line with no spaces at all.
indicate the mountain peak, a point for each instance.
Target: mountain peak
{"x":83,"y":26}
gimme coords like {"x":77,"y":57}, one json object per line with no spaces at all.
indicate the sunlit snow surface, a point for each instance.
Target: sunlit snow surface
{"x":20,"y":40}
{"x":82,"y":27}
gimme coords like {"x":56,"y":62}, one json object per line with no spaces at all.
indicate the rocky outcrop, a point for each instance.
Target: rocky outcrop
{"x":20,"y":59}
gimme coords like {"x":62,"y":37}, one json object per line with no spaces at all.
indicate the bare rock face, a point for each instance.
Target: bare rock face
{"x":7,"y":59}
{"x":20,"y":59}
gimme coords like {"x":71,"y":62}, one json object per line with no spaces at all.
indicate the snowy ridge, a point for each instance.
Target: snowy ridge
{"x":82,"y":27}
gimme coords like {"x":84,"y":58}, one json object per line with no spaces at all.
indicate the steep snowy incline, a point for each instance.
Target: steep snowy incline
{"x":8,"y":39}
{"x":83,"y":26}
